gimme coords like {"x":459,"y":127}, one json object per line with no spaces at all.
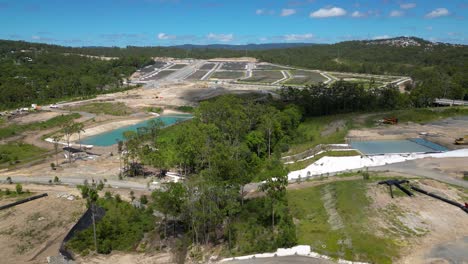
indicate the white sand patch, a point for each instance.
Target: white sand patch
{"x":338,"y":164}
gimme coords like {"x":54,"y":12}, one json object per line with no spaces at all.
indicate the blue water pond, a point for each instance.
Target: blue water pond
{"x":111,"y":137}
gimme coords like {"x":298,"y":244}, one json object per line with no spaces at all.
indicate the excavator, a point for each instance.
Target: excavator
{"x":462,"y":140}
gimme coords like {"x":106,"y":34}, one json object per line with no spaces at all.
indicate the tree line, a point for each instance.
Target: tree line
{"x":43,"y":77}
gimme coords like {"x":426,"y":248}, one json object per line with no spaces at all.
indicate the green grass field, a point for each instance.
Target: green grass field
{"x":355,"y":239}
{"x":309,"y":133}
{"x":264,"y":77}
{"x":115,"y":109}
{"x":305,"y":77}
{"x":228,"y":75}
{"x":420,"y":115}
{"x":17,"y":152}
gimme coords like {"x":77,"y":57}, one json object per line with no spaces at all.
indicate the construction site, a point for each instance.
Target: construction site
{"x":432,"y":154}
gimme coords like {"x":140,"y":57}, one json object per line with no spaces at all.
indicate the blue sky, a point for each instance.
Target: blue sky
{"x":169,"y":22}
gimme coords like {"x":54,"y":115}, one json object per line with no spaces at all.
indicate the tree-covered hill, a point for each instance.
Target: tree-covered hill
{"x":41,"y":74}
{"x":439,"y":70}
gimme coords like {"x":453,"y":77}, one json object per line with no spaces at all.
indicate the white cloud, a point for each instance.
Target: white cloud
{"x":408,"y":6}
{"x":396,"y":13}
{"x":220,"y":37}
{"x":438,"y":13}
{"x":382,"y":37}
{"x":328,"y":12}
{"x":164,"y":36}
{"x":358,"y":14}
{"x":288,"y":12}
{"x":298,"y":37}
{"x":36,"y":37}
{"x":261,"y":12}
{"x":429,"y":28}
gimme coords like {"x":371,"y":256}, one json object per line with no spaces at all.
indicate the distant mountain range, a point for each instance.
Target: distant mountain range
{"x":265,"y":46}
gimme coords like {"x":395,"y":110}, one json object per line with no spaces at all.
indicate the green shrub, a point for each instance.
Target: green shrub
{"x":19,"y":188}
{"x":122,"y":228}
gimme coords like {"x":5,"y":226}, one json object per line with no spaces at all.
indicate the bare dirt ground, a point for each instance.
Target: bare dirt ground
{"x":32,"y":231}
{"x":105,"y":166}
{"x":129,"y":258}
{"x":442,"y":132}
{"x":423,"y":223}
{"x":35,"y":117}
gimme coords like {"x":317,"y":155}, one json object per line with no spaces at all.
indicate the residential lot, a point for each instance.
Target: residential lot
{"x":265,"y":76}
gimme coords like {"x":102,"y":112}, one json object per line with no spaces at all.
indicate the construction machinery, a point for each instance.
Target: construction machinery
{"x":390,"y":120}
{"x":462,"y":140}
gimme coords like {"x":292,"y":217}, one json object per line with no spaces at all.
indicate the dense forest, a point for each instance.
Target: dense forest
{"x":230,"y":142}
{"x":42,"y":76}
{"x":44,"y":72}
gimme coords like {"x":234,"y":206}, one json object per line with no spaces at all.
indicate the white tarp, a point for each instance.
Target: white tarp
{"x":338,"y":164}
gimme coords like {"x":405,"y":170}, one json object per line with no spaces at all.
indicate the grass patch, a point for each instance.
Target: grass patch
{"x":356,"y":240}
{"x":420,"y":115}
{"x":115,"y":109}
{"x":158,"y":110}
{"x":11,"y":193}
{"x":122,"y":228}
{"x":303,"y":164}
{"x":57,"y":121}
{"x":17,"y":152}
{"x":309,"y":133}
{"x":186,"y":109}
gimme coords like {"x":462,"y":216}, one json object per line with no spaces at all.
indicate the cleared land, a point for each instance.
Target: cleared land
{"x":197,"y":75}
{"x":228,"y":75}
{"x":265,"y":76}
{"x":305,"y":77}
{"x":32,"y":231}
{"x":177,"y":66}
{"x":234,"y":66}
{"x":116,"y":109}
{"x":358,"y":220}
{"x":207,"y":66}
{"x":270,"y":67}
{"x":160,"y":75}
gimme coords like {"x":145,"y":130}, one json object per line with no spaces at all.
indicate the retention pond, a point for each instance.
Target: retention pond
{"x":111,"y":137}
